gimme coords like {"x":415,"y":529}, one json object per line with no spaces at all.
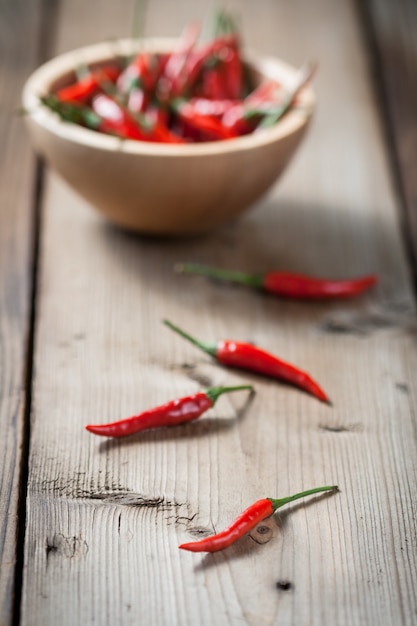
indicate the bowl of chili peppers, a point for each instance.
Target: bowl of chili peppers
{"x":169,"y":137}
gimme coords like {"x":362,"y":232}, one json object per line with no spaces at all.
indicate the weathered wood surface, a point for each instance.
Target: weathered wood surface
{"x":18,"y":23}
{"x":392,"y":28}
{"x":104,"y":518}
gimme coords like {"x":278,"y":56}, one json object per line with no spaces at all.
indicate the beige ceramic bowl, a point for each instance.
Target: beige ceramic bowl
{"x":158,"y":188}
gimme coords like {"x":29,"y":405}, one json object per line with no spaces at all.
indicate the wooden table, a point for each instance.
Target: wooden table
{"x":90,"y":528}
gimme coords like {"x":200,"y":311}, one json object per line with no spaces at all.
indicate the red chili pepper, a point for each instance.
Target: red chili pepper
{"x":218,"y":67}
{"x":305,"y":74}
{"x":215,"y":108}
{"x":171,"y":79}
{"x":248,"y":357}
{"x":297,"y":286}
{"x":162,"y":134}
{"x":120,"y":121}
{"x":267,"y":91}
{"x":198,"y":60}
{"x":136,"y":74}
{"x":232,"y":72}
{"x":286,"y":284}
{"x":213,"y":86}
{"x":264,"y":107}
{"x":244,"y":117}
{"x":237,"y":121}
{"x":210,"y":128}
{"x":170,"y":414}
{"x":158,"y":120}
{"x":213,"y":71}
{"x":246,"y":521}
{"x":84,"y":89}
{"x":138,"y":100}
{"x":117,"y":120}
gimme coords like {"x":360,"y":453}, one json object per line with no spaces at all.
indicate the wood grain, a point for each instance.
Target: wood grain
{"x":104,"y":518}
{"x":392,"y":28}
{"x":18,"y":23}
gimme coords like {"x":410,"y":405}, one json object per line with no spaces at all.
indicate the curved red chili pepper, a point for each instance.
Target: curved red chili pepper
{"x":286,"y":284}
{"x":209,"y":127}
{"x":171,"y":78}
{"x":117,"y":120}
{"x":137,"y":74}
{"x":84,"y":89}
{"x":237,"y":121}
{"x":198,"y":60}
{"x":246,"y":521}
{"x":245,"y":115}
{"x":120,"y":121}
{"x":214,"y":70}
{"x":298,"y":286}
{"x":170,"y":414}
{"x":248,"y":357}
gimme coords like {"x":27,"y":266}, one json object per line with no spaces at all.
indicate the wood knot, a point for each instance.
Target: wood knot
{"x":68,"y":547}
{"x":284,"y":585}
{"x":264,"y":532}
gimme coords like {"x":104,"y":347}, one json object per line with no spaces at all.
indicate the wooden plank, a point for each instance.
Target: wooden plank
{"x":105,"y":518}
{"x":18,"y":23}
{"x":393,"y":29}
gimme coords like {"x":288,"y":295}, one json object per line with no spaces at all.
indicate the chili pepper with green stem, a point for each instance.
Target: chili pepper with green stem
{"x":246,"y":521}
{"x":286,"y":284}
{"x":243,"y":117}
{"x":73,"y":113}
{"x":141,"y":72}
{"x":84,"y":89}
{"x":175,"y":65}
{"x":251,"y":358}
{"x":260,"y":109}
{"x":170,"y":414}
{"x":305,"y":74}
{"x":129,"y":125}
{"x":201,"y":59}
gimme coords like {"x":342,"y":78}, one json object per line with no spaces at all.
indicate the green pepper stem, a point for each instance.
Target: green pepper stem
{"x":205,"y":347}
{"x":223,"y":24}
{"x":250,"y":280}
{"x":72,"y":113}
{"x":277,"y":503}
{"x":215,"y":392}
{"x":139,"y":16}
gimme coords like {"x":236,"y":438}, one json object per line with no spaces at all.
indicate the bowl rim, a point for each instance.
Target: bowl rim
{"x":39,"y":82}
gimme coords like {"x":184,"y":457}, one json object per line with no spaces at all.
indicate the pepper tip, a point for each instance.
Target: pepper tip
{"x":183,"y":546}
{"x":95,"y":429}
